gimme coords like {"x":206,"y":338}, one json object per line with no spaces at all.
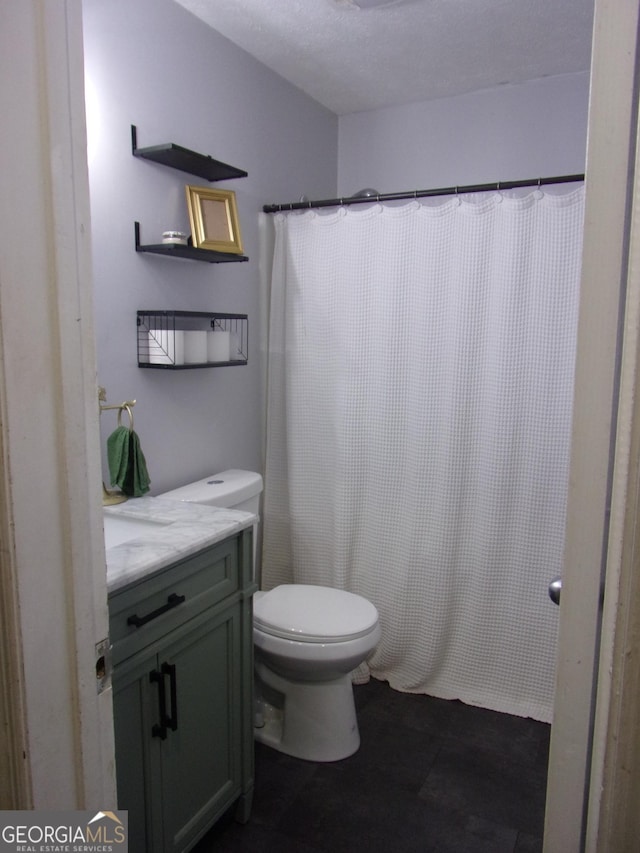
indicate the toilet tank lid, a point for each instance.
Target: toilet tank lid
{"x":225,"y":489}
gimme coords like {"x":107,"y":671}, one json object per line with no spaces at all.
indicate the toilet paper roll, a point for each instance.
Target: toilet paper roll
{"x":195,"y":347}
{"x":218,"y":345}
{"x":166,"y":346}
{"x":235,"y":348}
{"x":178,"y":337}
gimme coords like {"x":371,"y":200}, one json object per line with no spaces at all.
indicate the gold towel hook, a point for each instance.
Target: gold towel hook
{"x":126,"y":405}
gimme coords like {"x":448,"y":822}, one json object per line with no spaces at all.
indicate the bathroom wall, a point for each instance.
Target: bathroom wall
{"x":152,"y":64}
{"x":536,"y":129}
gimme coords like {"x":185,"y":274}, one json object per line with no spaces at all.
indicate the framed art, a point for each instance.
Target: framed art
{"x":214,"y":219}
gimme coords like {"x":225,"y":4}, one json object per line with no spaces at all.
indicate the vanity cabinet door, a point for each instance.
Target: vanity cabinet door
{"x":177,"y":710}
{"x":201,"y":757}
{"x":137,"y":750}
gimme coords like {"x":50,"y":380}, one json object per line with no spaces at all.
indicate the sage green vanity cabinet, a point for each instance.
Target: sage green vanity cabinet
{"x":182,"y":696}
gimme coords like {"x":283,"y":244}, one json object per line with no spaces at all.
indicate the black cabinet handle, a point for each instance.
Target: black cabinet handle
{"x":159,"y":729}
{"x":170,"y":670}
{"x":172,"y":601}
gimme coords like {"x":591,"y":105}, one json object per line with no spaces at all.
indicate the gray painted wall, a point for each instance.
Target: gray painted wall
{"x":534,"y":130}
{"x":152,"y":64}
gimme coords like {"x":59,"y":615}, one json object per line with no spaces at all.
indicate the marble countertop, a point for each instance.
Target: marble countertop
{"x":180,"y":530}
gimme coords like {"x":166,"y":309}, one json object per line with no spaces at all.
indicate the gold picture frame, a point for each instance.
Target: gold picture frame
{"x":214,"y":220}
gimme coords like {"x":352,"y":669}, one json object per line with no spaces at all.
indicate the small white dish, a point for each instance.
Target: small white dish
{"x":176,"y":237}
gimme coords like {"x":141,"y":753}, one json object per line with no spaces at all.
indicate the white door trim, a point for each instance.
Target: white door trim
{"x":52,"y":502}
{"x":610,"y":167}
{"x":613,"y":814}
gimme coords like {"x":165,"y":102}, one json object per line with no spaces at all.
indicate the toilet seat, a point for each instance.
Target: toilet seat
{"x":313,"y":614}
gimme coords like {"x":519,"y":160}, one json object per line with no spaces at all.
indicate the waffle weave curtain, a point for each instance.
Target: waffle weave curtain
{"x":420,"y":384}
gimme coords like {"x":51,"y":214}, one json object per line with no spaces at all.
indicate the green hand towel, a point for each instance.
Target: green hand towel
{"x":127,"y":465}
{"x":118,"y":454}
{"x":137,"y":483}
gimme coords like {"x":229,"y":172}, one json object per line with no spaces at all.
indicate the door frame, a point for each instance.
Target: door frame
{"x":596,"y":534}
{"x":56,"y":732}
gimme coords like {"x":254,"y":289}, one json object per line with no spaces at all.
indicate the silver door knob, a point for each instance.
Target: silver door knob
{"x":555,"y":588}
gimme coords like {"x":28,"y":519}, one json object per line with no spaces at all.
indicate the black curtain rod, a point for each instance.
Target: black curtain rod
{"x":471,"y":188}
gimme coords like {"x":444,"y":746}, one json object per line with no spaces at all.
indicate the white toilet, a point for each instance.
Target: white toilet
{"x":307,"y":640}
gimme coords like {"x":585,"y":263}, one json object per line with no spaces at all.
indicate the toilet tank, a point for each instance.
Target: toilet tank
{"x":232,"y":489}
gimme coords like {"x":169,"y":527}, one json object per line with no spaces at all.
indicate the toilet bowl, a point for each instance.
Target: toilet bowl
{"x":307,"y":641}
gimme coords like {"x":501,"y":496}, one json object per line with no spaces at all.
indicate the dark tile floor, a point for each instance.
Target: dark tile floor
{"x":430,"y":776}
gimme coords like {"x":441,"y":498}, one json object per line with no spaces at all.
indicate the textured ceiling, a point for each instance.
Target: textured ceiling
{"x":352,"y":59}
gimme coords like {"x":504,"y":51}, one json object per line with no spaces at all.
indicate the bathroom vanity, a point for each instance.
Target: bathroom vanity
{"x":180,"y":588}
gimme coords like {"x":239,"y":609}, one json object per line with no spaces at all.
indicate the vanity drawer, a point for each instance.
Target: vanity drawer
{"x":146,"y":611}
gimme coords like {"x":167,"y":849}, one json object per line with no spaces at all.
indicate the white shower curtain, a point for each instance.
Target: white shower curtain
{"x":419,"y":407}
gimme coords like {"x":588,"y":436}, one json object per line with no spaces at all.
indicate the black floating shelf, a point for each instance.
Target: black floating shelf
{"x":190,"y":253}
{"x":162,"y":339}
{"x":191,"y":366}
{"x":177,"y":157}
